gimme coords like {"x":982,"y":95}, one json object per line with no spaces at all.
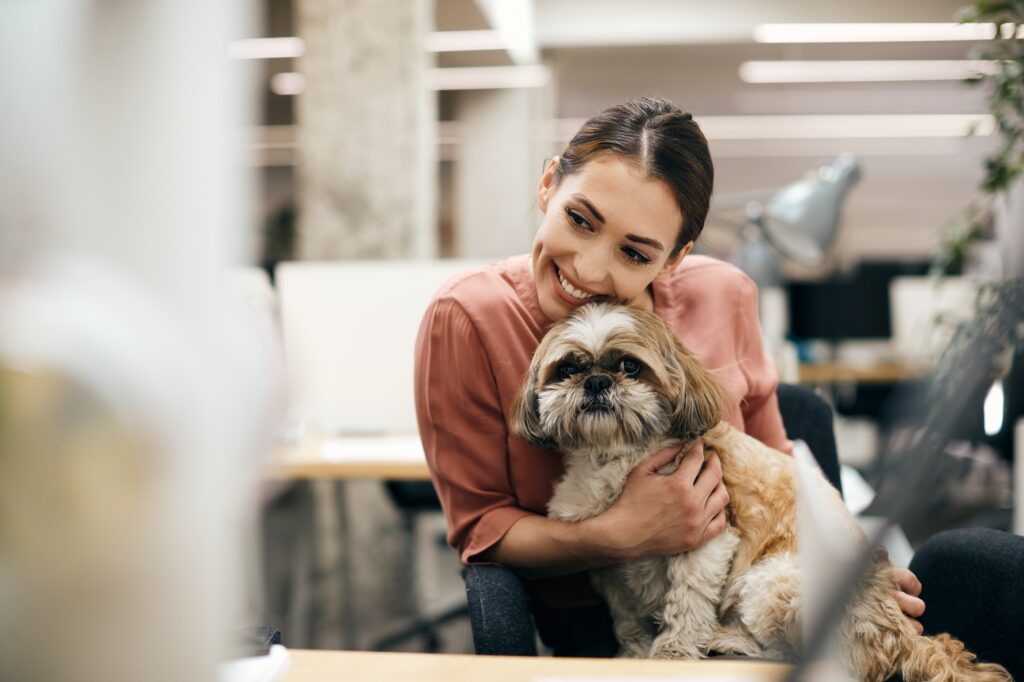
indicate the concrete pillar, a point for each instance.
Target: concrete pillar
{"x":367,"y":163}
{"x":503,"y":142}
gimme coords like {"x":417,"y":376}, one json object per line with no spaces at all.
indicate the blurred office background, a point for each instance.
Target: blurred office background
{"x":407,"y":136}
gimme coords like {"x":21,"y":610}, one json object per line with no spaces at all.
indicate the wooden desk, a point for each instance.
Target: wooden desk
{"x":364,"y":666}
{"x":839,"y":372}
{"x":312,"y":458}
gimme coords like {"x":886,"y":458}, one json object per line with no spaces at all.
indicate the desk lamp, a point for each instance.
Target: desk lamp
{"x":799,"y":221}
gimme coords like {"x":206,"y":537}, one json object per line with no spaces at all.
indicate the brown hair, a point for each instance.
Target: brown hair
{"x":663,"y":141}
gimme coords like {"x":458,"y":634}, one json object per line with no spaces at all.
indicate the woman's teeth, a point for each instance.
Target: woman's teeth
{"x":571,"y":290}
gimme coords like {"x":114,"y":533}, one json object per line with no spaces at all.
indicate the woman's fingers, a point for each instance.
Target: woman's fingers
{"x":715,"y":526}
{"x":907,"y":581}
{"x":663,"y":457}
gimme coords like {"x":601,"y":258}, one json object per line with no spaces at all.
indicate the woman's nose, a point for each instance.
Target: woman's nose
{"x":591,"y":269}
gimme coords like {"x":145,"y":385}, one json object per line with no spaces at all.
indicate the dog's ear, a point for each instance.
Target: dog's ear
{"x":702,"y":403}
{"x":524,"y":417}
{"x":698,"y":399}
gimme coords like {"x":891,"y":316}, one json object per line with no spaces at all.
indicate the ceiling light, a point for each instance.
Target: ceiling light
{"x":870,"y":33}
{"x":463,"y":41}
{"x":831,"y":71}
{"x":488,"y":77}
{"x":267,"y":48}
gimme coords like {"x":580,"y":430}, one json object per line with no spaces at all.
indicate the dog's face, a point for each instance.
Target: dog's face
{"x":613,"y":378}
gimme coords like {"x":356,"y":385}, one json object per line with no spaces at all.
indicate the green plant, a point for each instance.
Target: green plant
{"x":1003,"y":84}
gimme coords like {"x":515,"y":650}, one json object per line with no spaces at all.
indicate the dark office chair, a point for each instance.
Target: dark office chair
{"x":499,"y":610}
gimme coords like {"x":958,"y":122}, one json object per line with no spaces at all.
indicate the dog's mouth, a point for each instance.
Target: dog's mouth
{"x":596,"y":408}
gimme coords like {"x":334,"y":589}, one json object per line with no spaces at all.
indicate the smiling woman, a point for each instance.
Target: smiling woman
{"x":622,"y":204}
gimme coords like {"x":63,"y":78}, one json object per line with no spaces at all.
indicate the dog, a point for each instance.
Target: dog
{"x":610,"y":385}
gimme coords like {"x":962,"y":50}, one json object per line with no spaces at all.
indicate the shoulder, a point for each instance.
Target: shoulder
{"x":703,"y":281}
{"x":481,"y":294}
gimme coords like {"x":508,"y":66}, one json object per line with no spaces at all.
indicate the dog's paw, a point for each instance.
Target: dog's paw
{"x":675,"y":650}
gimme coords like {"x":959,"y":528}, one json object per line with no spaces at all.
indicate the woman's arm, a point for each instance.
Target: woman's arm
{"x":655,"y":515}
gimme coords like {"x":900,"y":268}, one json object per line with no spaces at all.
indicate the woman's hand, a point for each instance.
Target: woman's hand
{"x":659,"y":514}
{"x":909,"y":596}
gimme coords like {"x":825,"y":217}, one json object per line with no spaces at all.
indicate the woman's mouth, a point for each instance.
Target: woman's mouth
{"x":570,"y":292}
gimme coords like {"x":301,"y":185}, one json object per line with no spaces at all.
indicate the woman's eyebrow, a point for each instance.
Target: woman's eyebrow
{"x":590,"y":207}
{"x":653,"y":243}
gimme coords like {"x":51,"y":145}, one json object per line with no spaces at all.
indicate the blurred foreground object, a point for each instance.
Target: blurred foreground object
{"x":128,"y":396}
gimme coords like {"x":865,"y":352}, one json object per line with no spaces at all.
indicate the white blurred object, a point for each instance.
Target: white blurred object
{"x":267,"y":668}
{"x":858,"y":495}
{"x":350,"y":334}
{"x":827,"y":548}
{"x":120,"y":206}
{"x":924,"y":309}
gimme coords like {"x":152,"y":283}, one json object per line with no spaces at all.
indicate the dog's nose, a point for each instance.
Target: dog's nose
{"x":596,"y":383}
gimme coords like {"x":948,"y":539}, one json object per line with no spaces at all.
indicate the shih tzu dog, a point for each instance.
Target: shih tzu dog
{"x":609,"y":386}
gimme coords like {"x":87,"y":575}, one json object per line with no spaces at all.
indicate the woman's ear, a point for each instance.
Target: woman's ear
{"x":672,"y":262}
{"x":546,"y":186}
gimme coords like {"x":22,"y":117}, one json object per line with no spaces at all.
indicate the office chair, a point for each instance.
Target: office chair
{"x":499,"y":609}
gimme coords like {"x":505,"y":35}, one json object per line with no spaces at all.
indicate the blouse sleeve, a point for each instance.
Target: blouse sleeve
{"x":760,"y":406}
{"x":463,"y":430}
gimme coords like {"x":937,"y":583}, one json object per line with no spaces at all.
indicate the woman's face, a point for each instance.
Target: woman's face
{"x":606,"y":234}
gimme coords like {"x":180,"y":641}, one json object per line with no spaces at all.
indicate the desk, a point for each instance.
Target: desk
{"x":840,"y":372}
{"x":360,"y":666}
{"x":393,"y":457}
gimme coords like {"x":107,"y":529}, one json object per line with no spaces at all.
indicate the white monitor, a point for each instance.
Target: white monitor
{"x":349,"y":333}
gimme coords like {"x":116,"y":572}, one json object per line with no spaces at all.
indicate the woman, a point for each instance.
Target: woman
{"x":623,"y":205}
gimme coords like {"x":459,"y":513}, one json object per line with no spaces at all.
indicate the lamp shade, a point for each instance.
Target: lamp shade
{"x":801,"y":219}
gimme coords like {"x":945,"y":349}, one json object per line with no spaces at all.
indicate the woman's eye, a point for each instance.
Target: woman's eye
{"x":578,"y":220}
{"x":567,"y":370}
{"x":635,"y":256}
{"x":630,"y":367}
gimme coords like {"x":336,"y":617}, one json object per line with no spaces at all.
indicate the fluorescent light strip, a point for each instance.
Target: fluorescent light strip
{"x":862,"y":71}
{"x":874,"y":33}
{"x":267,"y":48}
{"x":824,"y":126}
{"x":463,"y":41}
{"x":488,"y":77}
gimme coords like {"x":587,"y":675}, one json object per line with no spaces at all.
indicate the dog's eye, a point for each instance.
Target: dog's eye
{"x":566,"y":370}
{"x":629,"y":366}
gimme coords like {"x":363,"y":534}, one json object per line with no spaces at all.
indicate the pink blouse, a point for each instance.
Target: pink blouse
{"x":474,"y":348}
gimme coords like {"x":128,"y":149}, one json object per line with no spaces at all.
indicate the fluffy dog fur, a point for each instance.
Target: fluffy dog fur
{"x":609,"y":386}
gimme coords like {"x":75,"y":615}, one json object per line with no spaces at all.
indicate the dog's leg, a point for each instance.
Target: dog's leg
{"x":769,"y":604}
{"x":733,"y":639}
{"x":690,"y":616}
{"x":632,"y":628}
